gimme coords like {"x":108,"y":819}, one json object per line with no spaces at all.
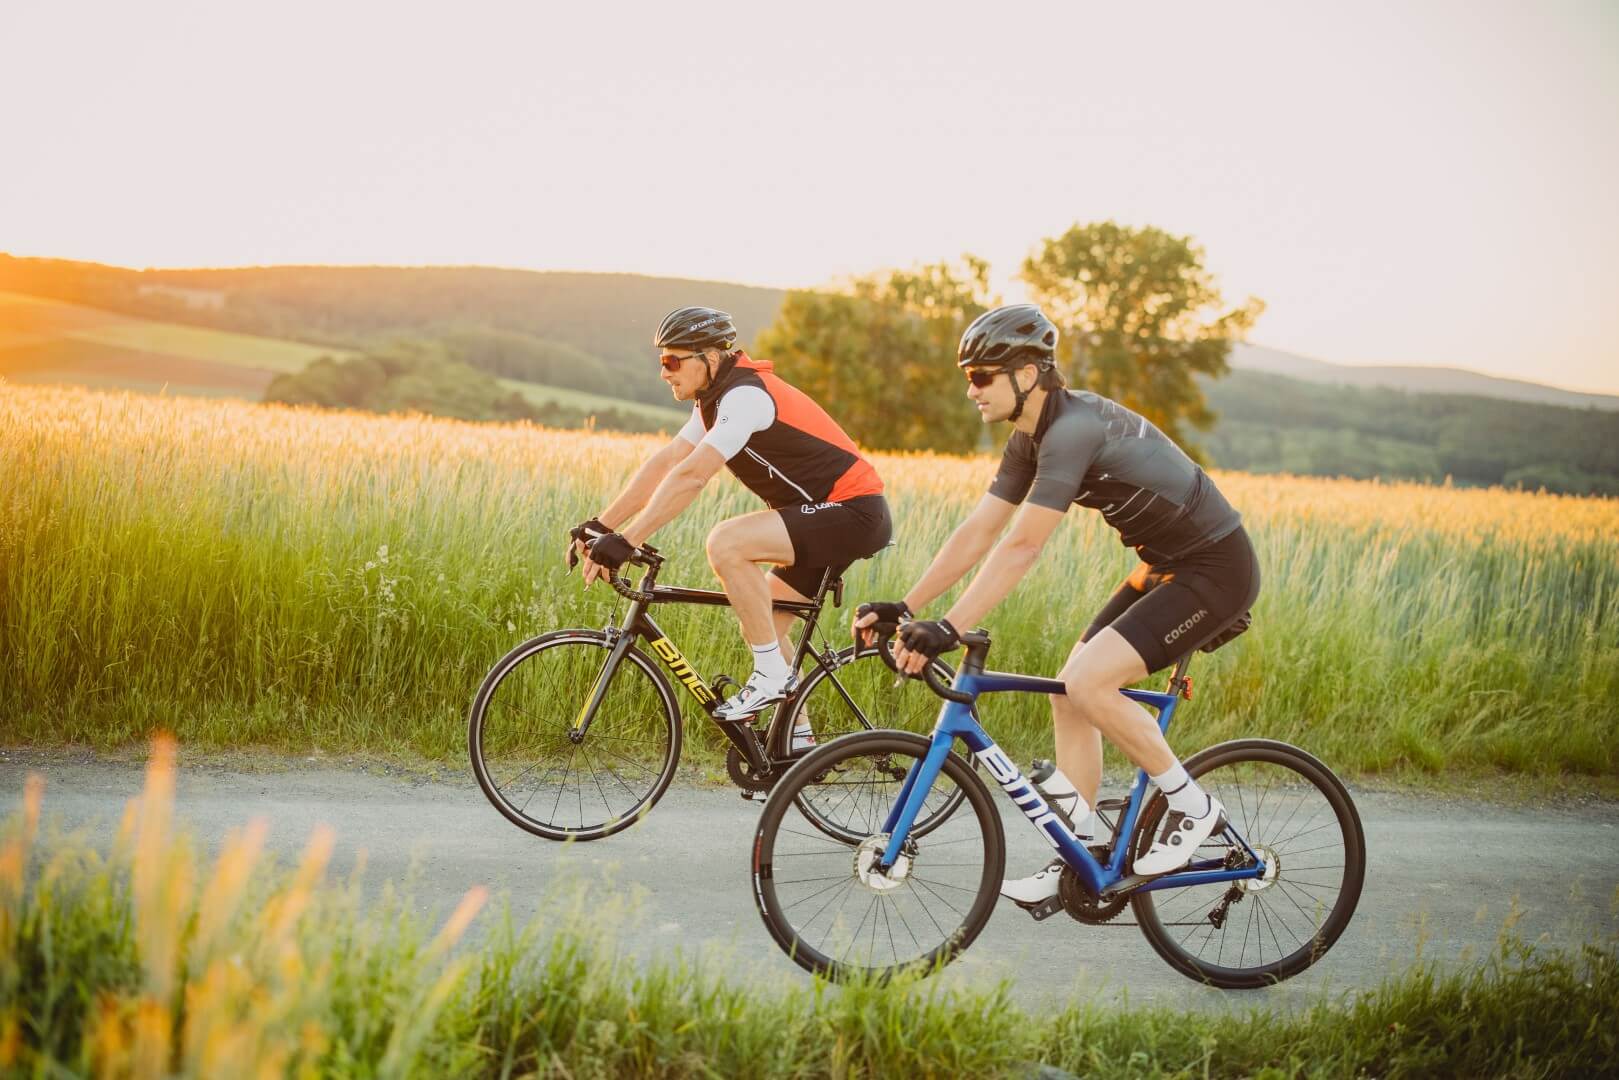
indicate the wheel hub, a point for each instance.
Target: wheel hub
{"x":871,"y":876}
{"x":1273,"y":868}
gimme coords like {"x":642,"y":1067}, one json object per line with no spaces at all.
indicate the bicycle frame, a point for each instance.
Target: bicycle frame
{"x":1103,"y":881}
{"x":638,"y":623}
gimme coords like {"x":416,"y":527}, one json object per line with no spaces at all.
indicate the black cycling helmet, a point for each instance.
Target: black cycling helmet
{"x":695,"y":328}
{"x":1007,"y":338}
{"x":1016,"y":333}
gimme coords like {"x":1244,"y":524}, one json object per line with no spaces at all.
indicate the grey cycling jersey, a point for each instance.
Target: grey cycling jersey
{"x":1093,"y":451}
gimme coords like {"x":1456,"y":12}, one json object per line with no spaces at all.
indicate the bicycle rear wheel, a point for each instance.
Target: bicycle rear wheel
{"x":1299,"y":818}
{"x":544,"y":778}
{"x":817,"y":894}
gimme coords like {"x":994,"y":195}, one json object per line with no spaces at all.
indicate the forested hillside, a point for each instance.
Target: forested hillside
{"x":1270,"y":423}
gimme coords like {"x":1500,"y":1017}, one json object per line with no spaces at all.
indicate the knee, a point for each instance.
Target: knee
{"x":721,"y":547}
{"x":1086,"y":696}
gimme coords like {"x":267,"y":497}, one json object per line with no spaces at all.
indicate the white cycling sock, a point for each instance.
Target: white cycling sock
{"x":1182,"y":791}
{"x":768,"y":661}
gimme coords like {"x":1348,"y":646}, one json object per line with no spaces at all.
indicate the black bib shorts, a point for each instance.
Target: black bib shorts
{"x":832,"y":534}
{"x":1165,"y":610}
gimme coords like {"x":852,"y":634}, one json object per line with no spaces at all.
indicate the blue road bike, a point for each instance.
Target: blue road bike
{"x":848,"y":885}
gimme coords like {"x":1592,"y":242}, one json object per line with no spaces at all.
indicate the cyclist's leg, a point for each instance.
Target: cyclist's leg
{"x":1193,"y":599}
{"x":1078,"y":742}
{"x":735,"y":548}
{"x":786,"y":586}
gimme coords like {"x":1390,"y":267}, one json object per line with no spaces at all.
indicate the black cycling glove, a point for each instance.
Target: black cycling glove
{"x":584,"y":532}
{"x":930,"y":637}
{"x":888,"y":612}
{"x":611,"y":551}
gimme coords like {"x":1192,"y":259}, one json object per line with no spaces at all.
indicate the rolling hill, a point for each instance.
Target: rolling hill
{"x":1416,"y":380}
{"x":49,"y":341}
{"x":607,"y":317}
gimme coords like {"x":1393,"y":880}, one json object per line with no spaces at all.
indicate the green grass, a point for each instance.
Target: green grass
{"x":250,"y":576}
{"x":146,"y":962}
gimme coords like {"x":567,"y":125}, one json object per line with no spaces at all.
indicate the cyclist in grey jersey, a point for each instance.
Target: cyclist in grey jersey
{"x":1090,"y":450}
{"x":1195,"y":584}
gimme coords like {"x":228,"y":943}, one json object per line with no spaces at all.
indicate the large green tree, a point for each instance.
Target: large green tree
{"x":1140,"y":316}
{"x":879,"y":353}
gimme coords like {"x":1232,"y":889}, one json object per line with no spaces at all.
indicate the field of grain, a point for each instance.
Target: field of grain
{"x":254,"y":575}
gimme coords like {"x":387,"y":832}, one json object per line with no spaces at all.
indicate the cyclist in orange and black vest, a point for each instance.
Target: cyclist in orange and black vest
{"x":826,"y":501}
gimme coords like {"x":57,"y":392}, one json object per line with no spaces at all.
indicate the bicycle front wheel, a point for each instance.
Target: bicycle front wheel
{"x":535,"y":766}
{"x":1298,"y":817}
{"x":819,"y":896}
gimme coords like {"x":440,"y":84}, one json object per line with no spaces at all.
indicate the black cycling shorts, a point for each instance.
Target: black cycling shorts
{"x":832,"y":534}
{"x":1168,"y":609}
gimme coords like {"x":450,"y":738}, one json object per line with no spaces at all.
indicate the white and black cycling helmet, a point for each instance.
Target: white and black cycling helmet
{"x":697,"y":329}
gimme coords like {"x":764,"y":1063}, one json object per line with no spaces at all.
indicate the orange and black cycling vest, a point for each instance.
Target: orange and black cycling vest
{"x":804,"y":456}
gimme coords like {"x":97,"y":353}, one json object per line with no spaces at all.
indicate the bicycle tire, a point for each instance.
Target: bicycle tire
{"x":1285,"y":900}
{"x":775,"y":840}
{"x":637,"y":768}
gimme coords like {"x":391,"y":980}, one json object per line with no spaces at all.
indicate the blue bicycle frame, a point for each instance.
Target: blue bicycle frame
{"x":956,"y":722}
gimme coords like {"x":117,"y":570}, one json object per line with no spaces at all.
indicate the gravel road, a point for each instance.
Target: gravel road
{"x":1443,"y":874}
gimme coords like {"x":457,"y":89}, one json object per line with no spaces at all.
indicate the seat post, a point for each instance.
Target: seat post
{"x":1179,"y":682}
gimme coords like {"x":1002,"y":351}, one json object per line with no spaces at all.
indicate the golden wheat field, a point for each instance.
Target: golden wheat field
{"x":248,"y":574}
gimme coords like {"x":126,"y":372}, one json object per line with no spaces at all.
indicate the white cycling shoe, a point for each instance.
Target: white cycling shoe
{"x":1035,"y":889}
{"x":803,"y":738}
{"x":1180,"y":837}
{"x":757,"y":695}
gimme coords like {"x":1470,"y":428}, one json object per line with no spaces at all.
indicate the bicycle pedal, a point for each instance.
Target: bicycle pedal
{"x":1044,"y":910}
{"x":750,"y":796}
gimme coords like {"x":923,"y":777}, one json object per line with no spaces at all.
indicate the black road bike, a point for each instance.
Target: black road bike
{"x":575,"y":734}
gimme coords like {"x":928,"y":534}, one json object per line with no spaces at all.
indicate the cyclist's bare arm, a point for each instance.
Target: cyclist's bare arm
{"x":1000,"y":574}
{"x":674,"y":493}
{"x":637,"y":492}
{"x":645,"y":482}
{"x":960,"y":553}
{"x":1006,"y":565}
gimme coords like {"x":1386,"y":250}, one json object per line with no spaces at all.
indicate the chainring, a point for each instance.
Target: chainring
{"x":740,"y":769}
{"x":1084,"y":907}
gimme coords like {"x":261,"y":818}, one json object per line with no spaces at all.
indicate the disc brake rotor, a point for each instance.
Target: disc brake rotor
{"x":865,"y":864}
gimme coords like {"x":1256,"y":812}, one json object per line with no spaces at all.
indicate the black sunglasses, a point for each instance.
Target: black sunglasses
{"x":982,"y":377}
{"x":670,"y":362}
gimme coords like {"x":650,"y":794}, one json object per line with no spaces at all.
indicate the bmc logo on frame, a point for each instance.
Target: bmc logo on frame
{"x":689,"y":679}
{"x":1170,"y":637}
{"x":817,"y":506}
{"x":1023,"y":794}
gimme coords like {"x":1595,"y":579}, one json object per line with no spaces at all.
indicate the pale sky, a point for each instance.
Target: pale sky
{"x":1423,"y":183}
